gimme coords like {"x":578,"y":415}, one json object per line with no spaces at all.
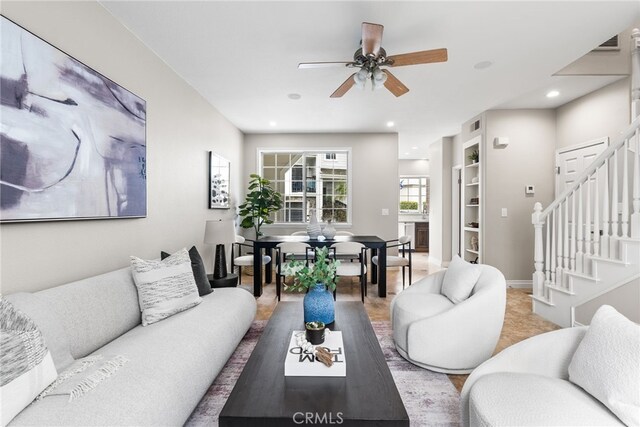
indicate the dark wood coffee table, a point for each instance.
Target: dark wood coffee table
{"x":263,"y":396}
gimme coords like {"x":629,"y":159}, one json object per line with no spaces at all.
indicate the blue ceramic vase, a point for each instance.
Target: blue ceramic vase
{"x":318,"y":305}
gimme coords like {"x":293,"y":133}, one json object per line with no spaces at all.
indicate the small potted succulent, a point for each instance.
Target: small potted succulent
{"x":474,"y":156}
{"x":319,"y":281}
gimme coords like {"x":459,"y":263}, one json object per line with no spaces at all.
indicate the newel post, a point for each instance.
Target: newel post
{"x":538,"y":254}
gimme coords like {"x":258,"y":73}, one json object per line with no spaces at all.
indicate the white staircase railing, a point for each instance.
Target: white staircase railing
{"x":588,"y":218}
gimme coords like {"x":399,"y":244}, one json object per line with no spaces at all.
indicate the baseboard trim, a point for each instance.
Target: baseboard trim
{"x":521,"y":284}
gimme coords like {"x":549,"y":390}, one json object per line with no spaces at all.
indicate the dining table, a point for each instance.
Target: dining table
{"x":265,"y":245}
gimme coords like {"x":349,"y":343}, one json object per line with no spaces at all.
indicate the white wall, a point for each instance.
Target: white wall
{"x":181,"y":128}
{"x":374,"y":175}
{"x":440,"y":203}
{"x":413,"y":167}
{"x":604,"y":112}
{"x":625,"y":299}
{"x":528,"y":159}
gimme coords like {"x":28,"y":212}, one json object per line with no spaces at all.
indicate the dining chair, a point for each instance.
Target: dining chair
{"x":404,"y":260}
{"x":289,"y":251}
{"x":244,"y":260}
{"x":351,"y":269}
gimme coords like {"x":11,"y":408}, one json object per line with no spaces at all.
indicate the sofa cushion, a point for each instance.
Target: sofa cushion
{"x":607,"y":363}
{"x":165,"y":287}
{"x":39,"y":310}
{"x":459,"y":279}
{"x":171,"y":364}
{"x":534,"y":400}
{"x":410,"y":307}
{"x":26,"y":365}
{"x":93,"y":311}
{"x":199,"y":272}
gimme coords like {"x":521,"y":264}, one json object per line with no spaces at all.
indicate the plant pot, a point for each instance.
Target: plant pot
{"x":329,"y":232}
{"x":319,"y":305}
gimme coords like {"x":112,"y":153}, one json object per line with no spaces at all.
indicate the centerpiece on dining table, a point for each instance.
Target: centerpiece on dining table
{"x":319,"y":280}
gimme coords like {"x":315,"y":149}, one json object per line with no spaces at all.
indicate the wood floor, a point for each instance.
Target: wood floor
{"x":520,"y":323}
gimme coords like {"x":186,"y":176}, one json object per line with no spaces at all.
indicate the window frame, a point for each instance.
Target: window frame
{"x":420,"y":201}
{"x":260,"y":151}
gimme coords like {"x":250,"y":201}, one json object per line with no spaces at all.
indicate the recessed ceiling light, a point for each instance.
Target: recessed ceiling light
{"x":390,"y":124}
{"x":272,"y":123}
{"x":553,"y":94}
{"x":482,"y":65}
{"x":414,"y":148}
{"x":294,"y":96}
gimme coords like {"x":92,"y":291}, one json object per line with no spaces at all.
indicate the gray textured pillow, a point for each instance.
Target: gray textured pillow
{"x":165,"y":287}
{"x":26,"y":365}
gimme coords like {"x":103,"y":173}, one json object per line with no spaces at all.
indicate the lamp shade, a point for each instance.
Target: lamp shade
{"x":219,"y":232}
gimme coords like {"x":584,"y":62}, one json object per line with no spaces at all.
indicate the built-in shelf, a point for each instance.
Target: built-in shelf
{"x":472,"y":196}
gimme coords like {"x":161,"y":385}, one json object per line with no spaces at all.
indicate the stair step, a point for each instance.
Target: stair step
{"x":581,"y":275}
{"x":609,"y":260}
{"x":542,"y":300}
{"x":561,"y":289}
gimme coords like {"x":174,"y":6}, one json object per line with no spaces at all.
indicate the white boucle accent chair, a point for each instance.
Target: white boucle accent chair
{"x":432,"y":332}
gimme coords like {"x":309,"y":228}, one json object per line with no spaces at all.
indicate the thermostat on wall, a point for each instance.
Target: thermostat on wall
{"x":530,"y":189}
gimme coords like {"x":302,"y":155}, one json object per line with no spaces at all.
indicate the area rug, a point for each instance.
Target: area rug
{"x":429,"y":397}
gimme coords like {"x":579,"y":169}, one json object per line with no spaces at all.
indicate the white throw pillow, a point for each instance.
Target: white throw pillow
{"x":459,"y":280}
{"x":27,"y":365}
{"x":164,"y":287}
{"x":607,"y":364}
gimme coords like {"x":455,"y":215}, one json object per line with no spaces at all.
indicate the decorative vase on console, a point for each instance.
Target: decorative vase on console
{"x":313,"y":229}
{"x":329,"y":231}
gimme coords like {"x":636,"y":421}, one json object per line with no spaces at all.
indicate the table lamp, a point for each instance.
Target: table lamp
{"x":219,"y":233}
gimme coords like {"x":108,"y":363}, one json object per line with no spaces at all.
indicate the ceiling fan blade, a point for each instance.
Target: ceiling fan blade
{"x":371,"y":38}
{"x":344,"y":87}
{"x":323,"y":64}
{"x":422,"y":57}
{"x":394,"y":85}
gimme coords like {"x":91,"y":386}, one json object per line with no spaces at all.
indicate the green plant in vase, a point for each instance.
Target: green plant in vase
{"x":261,"y":201}
{"x":319,"y":281}
{"x":474,"y":156}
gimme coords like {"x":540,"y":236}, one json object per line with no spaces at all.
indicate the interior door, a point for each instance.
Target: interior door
{"x":571,"y":161}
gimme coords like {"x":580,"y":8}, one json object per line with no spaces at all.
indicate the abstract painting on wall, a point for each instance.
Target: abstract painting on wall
{"x":219,"y":171}
{"x":72,"y":142}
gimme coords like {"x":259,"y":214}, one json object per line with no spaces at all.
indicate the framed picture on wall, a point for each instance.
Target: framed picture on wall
{"x":219,"y":171}
{"x":72,"y":141}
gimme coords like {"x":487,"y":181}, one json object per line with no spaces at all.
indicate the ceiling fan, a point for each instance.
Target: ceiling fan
{"x":370,"y":57}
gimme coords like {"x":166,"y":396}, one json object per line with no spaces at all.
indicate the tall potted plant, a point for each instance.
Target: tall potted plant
{"x":319,"y":281}
{"x":260,"y":202}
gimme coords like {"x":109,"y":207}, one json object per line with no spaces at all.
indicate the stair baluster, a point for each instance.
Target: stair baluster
{"x":572,"y":255}
{"x":559,"y":269}
{"x":614,"y":204}
{"x":596,"y":215}
{"x":625,"y":189}
{"x":635,"y":216}
{"x":605,"y":211}
{"x":587,"y":225}
{"x":580,"y":226}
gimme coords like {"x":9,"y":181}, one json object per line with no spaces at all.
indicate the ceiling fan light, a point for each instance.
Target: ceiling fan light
{"x":379,"y":76}
{"x":361,"y":77}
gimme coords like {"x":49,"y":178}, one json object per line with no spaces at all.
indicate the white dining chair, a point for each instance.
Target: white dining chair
{"x":351,"y":269}
{"x":403,"y":260}
{"x":290,"y":251}
{"x":244,"y":260}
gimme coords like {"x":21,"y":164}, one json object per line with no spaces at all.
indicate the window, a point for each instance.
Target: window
{"x":309,"y":180}
{"x":414,"y":194}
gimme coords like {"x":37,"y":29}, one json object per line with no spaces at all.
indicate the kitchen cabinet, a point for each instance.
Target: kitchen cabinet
{"x":421,"y":242}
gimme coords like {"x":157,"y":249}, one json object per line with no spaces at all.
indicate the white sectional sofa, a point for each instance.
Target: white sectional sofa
{"x":170,"y":364}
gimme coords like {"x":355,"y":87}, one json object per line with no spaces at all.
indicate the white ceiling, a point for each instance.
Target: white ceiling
{"x":242,"y":56}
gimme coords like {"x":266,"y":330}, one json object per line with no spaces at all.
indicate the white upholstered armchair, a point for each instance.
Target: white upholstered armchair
{"x":431,"y":331}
